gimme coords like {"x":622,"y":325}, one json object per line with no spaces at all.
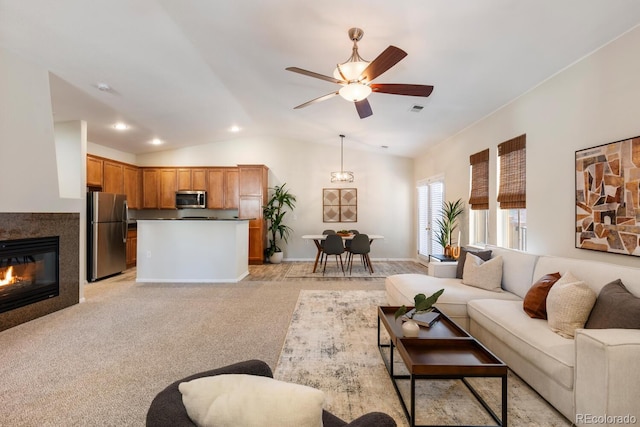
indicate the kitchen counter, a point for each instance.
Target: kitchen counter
{"x":200,"y":249}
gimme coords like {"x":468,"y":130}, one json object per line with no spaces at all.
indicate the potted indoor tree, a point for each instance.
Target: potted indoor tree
{"x":447,"y":222}
{"x":273,"y":213}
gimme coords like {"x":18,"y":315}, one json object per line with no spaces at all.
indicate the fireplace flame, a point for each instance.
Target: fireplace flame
{"x":8,"y":277}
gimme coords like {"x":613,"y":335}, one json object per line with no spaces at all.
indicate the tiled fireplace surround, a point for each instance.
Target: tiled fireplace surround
{"x":28,"y":225}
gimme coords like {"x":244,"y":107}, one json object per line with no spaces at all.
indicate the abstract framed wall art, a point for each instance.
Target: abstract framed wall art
{"x":608,"y":197}
{"x":340,"y":205}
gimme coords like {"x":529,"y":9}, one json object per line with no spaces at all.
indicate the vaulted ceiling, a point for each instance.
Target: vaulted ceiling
{"x":185,"y":71}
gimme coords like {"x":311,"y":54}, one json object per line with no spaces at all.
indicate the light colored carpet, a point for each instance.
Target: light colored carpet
{"x":381,"y":269}
{"x":342,"y":359}
{"x":100,"y":363}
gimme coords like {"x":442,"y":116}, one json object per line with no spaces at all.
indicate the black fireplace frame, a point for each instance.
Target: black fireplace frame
{"x":27,"y":247}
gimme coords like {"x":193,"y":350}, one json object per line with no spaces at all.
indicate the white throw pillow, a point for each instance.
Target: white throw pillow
{"x":251,"y":401}
{"x":569,"y":304}
{"x":483,"y":274}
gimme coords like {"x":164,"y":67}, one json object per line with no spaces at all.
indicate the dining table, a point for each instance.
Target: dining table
{"x":317,"y":238}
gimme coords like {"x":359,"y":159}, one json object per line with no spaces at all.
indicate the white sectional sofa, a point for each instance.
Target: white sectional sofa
{"x":594,"y":377}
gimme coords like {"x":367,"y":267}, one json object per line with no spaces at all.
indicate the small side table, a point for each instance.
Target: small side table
{"x":442,"y":266}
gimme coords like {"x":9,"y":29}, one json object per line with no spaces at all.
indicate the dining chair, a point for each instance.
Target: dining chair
{"x":360,"y":245}
{"x":333,"y":246}
{"x":326,"y":232}
{"x":347,"y":243}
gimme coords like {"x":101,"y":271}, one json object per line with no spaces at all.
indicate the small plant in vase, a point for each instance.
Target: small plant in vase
{"x":447,"y":223}
{"x":423,"y":304}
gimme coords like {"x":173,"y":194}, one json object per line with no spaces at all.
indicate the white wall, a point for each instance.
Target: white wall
{"x":593,"y":102}
{"x":29,"y":172}
{"x":384,"y":183}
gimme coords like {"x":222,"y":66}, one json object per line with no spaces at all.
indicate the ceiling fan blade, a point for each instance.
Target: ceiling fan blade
{"x":387,"y":59}
{"x":402,"y":89}
{"x":316,"y":75}
{"x":364,"y":108}
{"x":318,"y":99}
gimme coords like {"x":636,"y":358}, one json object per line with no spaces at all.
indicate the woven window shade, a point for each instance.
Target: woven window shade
{"x":479,"y":199}
{"x":512,"y":191}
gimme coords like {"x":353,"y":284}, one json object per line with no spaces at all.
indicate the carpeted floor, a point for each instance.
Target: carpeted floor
{"x":342,"y":359}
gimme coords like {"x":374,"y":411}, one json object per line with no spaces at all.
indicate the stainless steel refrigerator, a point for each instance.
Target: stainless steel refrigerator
{"x":107,"y":221}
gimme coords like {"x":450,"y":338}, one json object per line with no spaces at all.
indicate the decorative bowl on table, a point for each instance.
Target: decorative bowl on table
{"x":343,"y":233}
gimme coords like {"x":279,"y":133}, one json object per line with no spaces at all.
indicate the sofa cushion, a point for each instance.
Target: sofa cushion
{"x":401,"y":288}
{"x":568,"y":305}
{"x":615,"y":307}
{"x":517,"y":269}
{"x":535,"y":302}
{"x":530,"y":338}
{"x":253,"y":401}
{"x":483,"y":274}
{"x":484,"y":255}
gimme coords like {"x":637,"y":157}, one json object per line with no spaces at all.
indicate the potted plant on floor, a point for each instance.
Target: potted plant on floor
{"x":274,"y":212}
{"x":447,"y":222}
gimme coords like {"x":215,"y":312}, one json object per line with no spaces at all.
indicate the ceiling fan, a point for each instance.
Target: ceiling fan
{"x":355,"y":76}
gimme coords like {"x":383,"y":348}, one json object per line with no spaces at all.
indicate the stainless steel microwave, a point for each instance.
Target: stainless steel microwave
{"x":191,"y":199}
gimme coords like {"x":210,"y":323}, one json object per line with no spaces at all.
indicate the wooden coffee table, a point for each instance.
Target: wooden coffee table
{"x":443,"y":351}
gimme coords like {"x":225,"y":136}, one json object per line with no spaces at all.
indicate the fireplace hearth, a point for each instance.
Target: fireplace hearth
{"x":29,"y":271}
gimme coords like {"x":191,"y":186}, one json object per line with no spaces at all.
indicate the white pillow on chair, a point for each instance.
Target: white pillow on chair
{"x":233,"y":400}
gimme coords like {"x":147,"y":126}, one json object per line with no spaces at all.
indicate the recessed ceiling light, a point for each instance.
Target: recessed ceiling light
{"x":121,"y":126}
{"x":234,"y":128}
{"x":156,"y":141}
{"x":104,"y":87}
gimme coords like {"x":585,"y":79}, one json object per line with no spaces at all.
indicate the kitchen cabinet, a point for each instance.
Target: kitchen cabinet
{"x":94,"y":172}
{"x":150,"y":186}
{"x":192,"y":178}
{"x":132,"y":247}
{"x":231,"y":189}
{"x":168,"y":186}
{"x":132,"y":186}
{"x":253,"y":193}
{"x":199,"y":179}
{"x":222,"y":188}
{"x":184,"y":179}
{"x":113,"y":177}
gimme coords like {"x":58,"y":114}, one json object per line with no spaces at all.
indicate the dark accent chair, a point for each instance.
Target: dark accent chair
{"x":167,"y":410}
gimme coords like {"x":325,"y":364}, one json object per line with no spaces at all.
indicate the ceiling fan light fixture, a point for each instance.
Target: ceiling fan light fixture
{"x":350,"y":70}
{"x":355,"y":92}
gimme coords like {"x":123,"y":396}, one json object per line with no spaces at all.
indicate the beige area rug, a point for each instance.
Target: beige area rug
{"x":331,"y":344}
{"x":381,"y":269}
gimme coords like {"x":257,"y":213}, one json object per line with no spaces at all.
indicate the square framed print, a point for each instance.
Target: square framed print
{"x":607,"y":198}
{"x":339,"y":205}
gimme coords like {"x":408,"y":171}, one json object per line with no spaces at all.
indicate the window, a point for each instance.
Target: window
{"x":479,"y":197}
{"x":512,"y":218}
{"x":430,"y":198}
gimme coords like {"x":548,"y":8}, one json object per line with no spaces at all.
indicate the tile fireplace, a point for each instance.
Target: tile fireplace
{"x":39,"y":265}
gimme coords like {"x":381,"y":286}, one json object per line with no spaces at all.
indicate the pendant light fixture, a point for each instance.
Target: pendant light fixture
{"x":342,"y":176}
{"x":351,"y":70}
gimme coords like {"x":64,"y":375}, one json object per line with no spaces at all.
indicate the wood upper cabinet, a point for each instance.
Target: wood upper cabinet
{"x":113,"y":176}
{"x":184,"y":179}
{"x":231,"y":189}
{"x":192,"y":178}
{"x":168,"y":187}
{"x":150,"y":188}
{"x":132,"y":186}
{"x":222,"y":188}
{"x":94,"y":172}
{"x":199,"y":179}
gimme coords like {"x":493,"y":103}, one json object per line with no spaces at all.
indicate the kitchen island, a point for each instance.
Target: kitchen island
{"x":199,"y":250}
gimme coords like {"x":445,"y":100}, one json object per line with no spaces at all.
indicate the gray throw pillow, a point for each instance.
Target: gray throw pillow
{"x":615,"y":307}
{"x":483,"y":255}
